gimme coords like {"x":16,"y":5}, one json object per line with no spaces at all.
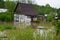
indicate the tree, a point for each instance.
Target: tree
{"x":48,"y":9}
{"x":10,"y":6}
{"x":58,"y":11}
{"x":8,"y":16}
{"x":50,"y":17}
{"x":47,"y":5}
{"x":1,"y":4}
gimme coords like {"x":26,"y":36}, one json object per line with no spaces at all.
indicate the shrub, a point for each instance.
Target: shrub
{"x":50,"y":17}
{"x":57,"y":26}
{"x":7,"y":16}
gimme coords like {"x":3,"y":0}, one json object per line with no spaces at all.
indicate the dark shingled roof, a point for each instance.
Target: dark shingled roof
{"x":26,"y":9}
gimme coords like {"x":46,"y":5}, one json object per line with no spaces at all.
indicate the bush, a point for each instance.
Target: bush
{"x":50,"y":17}
{"x":57,"y":27}
{"x":7,"y":16}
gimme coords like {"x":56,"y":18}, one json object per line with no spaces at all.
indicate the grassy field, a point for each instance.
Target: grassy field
{"x":25,"y":34}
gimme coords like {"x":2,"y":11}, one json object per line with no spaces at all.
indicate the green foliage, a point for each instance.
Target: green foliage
{"x":57,"y":25}
{"x":21,"y":34}
{"x":38,"y":9}
{"x":38,"y":37}
{"x":50,"y":17}
{"x":30,"y":34}
{"x":47,"y":5}
{"x":58,"y":11}
{"x":10,"y":5}
{"x":25,"y":34}
{"x":1,"y":4}
{"x":44,"y":9}
{"x":5,"y":27}
{"x":7,"y":16}
{"x":48,"y":10}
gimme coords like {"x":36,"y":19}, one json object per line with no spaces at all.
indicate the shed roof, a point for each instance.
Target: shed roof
{"x":26,"y":9}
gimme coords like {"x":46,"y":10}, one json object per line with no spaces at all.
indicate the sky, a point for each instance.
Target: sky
{"x":52,"y":3}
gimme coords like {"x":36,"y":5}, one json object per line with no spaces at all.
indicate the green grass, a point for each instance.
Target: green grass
{"x":26,"y":34}
{"x":20,"y":34}
{"x":58,"y":37}
{"x":46,"y":24}
{"x":6,"y":27}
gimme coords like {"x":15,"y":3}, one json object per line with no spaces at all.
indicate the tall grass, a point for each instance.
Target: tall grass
{"x":28,"y":34}
{"x":5,"y":27}
{"x":20,"y":34}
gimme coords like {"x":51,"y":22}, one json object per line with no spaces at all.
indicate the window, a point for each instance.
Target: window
{"x":16,"y":18}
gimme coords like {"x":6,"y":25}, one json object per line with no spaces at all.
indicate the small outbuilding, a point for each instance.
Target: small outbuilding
{"x":25,"y":13}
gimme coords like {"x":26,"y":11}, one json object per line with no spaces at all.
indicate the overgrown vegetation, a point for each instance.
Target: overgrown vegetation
{"x":51,"y":12}
{"x":28,"y":34}
{"x":20,"y":34}
{"x":2,"y":4}
{"x":6,"y":27}
{"x":44,"y":9}
{"x":50,"y":17}
{"x":57,"y":26}
{"x":10,"y":6}
{"x":8,"y":16}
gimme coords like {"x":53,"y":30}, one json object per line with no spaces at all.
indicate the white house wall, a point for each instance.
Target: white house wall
{"x":27,"y":20}
{"x":23,"y":19}
{"x":16,"y":17}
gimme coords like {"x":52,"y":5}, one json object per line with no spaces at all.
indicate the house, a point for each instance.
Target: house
{"x":24,"y":13}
